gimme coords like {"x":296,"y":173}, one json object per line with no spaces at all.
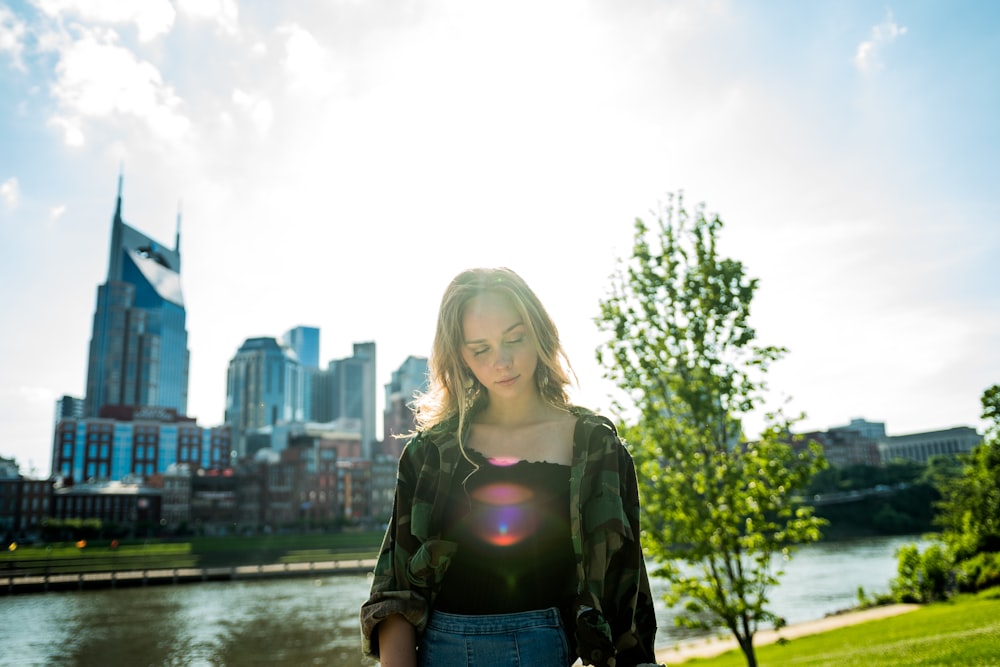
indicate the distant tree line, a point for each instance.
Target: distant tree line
{"x":895,"y":499}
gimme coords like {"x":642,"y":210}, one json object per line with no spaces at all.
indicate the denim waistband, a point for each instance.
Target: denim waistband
{"x":492,"y":623}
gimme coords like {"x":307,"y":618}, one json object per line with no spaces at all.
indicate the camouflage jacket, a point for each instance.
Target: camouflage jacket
{"x":613,"y":608}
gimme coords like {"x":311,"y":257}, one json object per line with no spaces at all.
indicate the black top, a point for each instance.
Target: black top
{"x":511,"y":523}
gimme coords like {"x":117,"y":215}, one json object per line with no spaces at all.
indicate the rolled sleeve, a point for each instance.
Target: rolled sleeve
{"x":409,"y":604}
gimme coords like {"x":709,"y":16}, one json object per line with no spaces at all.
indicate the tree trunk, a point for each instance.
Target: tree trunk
{"x":746,"y":645}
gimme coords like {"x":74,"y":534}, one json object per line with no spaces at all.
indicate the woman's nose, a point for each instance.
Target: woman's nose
{"x":503,"y":358}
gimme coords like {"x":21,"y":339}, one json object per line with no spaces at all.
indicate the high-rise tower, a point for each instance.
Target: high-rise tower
{"x":347,"y":390}
{"x":264,"y":387}
{"x":305,"y":343}
{"x":138,"y":351}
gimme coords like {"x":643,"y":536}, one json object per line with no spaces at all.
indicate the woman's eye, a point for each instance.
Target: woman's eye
{"x":515,"y":341}
{"x":478,"y":352}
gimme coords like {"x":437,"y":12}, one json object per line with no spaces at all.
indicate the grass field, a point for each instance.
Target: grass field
{"x":964,"y":631}
{"x":260,"y":549}
{"x":70,"y":559}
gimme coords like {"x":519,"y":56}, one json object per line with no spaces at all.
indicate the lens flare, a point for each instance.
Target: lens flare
{"x":504,"y":518}
{"x":502,"y":494}
{"x":503,"y":461}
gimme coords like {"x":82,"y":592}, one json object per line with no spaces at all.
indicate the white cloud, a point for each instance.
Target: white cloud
{"x":152,"y":18}
{"x":868,"y":56}
{"x":12,"y":32}
{"x":865,"y":57}
{"x":223,"y":12}
{"x":96,"y":77}
{"x":72,"y":134}
{"x":260,"y":111}
{"x":307,"y":63}
{"x":56,"y":212}
{"x":10,"y":192}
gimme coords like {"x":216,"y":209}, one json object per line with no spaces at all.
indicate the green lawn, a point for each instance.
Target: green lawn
{"x":260,"y":549}
{"x":203,"y":552}
{"x":289,"y":541}
{"x":965,"y":632}
{"x":67,"y":559}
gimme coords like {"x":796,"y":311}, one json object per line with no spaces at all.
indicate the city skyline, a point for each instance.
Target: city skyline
{"x":335,"y":164}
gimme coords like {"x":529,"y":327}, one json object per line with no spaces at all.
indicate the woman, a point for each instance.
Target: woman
{"x":514,"y":537}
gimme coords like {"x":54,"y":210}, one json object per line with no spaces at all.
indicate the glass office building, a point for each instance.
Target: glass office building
{"x":138,"y":351}
{"x":346,"y":389}
{"x":264,"y":387}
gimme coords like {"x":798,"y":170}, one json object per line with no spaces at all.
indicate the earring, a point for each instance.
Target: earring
{"x":472,"y":387}
{"x":542,"y":378}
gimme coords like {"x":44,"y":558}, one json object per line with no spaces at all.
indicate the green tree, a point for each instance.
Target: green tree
{"x":991,"y":410}
{"x":969,"y":517}
{"x":718,"y":511}
{"x":969,"y":511}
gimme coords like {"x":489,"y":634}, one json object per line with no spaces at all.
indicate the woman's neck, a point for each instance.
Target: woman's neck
{"x":522,"y":411}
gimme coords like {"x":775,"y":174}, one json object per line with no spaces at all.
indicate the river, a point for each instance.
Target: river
{"x":313,"y":621}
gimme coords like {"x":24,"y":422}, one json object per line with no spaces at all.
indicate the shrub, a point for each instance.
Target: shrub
{"x":922,"y":577}
{"x":978,"y":573}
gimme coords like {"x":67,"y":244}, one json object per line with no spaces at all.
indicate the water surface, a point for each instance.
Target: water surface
{"x":314,"y":621}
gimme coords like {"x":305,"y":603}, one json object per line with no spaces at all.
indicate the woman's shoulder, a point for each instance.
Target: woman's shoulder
{"x":594,"y":430}
{"x":589,"y":418}
{"x":431,"y":439}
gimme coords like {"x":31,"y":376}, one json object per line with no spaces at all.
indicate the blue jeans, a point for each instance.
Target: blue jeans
{"x":525,"y":639}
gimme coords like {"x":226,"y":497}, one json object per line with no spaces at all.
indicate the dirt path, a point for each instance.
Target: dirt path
{"x":707,"y":648}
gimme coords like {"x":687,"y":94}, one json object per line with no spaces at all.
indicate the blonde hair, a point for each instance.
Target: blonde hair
{"x":452,"y":389}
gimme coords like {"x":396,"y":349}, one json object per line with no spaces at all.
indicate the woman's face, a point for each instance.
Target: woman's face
{"x":497,"y":346}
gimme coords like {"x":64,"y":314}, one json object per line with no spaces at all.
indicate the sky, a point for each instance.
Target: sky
{"x":335,"y":163}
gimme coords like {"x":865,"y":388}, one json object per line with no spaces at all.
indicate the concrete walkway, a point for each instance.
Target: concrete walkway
{"x":707,"y":648}
{"x":37,"y":583}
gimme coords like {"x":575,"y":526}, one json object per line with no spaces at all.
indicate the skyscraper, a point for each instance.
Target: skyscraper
{"x":346,"y":389}
{"x":138,"y":350}
{"x":305,"y":342}
{"x":264,"y":387}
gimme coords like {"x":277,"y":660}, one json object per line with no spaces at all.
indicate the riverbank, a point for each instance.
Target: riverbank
{"x":13,"y":585}
{"x":708,"y":648}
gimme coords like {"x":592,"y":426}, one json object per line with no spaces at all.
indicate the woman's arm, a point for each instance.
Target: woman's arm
{"x":392,"y":592}
{"x":397,"y":642}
